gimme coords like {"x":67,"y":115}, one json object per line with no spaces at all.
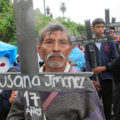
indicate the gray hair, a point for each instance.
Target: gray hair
{"x":53,"y":27}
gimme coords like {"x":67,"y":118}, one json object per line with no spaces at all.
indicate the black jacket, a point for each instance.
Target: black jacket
{"x":4,"y":103}
{"x":115,"y":67}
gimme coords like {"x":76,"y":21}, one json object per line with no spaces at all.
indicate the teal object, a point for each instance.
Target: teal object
{"x":77,"y":57}
{"x":9,"y":51}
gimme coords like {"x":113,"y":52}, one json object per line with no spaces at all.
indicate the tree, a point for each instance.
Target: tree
{"x":70,"y":25}
{"x":8,"y":29}
{"x":7,"y":21}
{"x":63,"y":8}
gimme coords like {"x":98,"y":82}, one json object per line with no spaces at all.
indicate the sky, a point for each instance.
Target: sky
{"x":80,"y":10}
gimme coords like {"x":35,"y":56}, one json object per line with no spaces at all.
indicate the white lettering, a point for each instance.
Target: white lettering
{"x":27,"y":98}
{"x":27,"y":78}
{"x":55,"y":81}
{"x":3,"y":85}
{"x":80,"y":80}
{"x":33,"y":110}
{"x":50,"y":80}
{"x":9,"y":78}
{"x":35,"y":98}
{"x":36,"y":81}
{"x":20,"y":83}
{"x":66,"y":80}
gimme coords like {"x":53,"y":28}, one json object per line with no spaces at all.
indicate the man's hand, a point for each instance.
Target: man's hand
{"x":98,"y":70}
{"x":72,"y":64}
{"x":97,"y":85}
{"x":12,"y":98}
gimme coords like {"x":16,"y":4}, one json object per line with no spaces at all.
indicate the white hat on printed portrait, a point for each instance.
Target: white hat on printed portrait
{"x":4,"y":64}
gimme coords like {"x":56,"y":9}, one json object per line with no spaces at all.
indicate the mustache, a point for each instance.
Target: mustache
{"x":55,"y":55}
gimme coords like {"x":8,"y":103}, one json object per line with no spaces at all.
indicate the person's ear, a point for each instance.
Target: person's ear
{"x":38,"y":48}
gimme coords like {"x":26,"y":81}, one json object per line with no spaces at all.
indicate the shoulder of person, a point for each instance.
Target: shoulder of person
{"x":14,"y":69}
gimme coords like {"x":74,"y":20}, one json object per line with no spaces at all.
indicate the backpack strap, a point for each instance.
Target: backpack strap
{"x":49,"y":100}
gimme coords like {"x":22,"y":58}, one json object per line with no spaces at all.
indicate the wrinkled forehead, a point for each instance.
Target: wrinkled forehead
{"x":59,"y":33}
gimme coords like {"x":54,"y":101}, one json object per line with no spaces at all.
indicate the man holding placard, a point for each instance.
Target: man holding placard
{"x":54,"y":46}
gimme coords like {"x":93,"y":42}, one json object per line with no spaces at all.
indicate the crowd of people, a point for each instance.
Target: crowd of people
{"x":57,"y":54}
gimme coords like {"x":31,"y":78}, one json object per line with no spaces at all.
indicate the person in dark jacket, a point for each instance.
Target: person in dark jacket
{"x":106,"y":52}
{"x":5,"y":103}
{"x":7,"y":97}
{"x":115,"y":67}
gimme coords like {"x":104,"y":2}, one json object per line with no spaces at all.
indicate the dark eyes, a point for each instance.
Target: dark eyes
{"x":49,"y":42}
{"x":63,"y":42}
{"x":99,"y":26}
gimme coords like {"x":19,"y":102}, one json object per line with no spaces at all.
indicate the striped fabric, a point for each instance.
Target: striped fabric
{"x":48,"y":101}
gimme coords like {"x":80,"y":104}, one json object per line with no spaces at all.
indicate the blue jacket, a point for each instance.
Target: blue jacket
{"x":77,"y":57}
{"x":104,"y":57}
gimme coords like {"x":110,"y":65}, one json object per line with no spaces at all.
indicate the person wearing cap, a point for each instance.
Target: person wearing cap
{"x":106,"y":52}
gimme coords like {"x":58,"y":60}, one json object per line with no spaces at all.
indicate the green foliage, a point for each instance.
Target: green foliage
{"x":13,"y":42}
{"x":8,"y":29}
{"x":3,"y":6}
{"x":40,"y":22}
{"x":7,"y":21}
{"x":70,"y":25}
